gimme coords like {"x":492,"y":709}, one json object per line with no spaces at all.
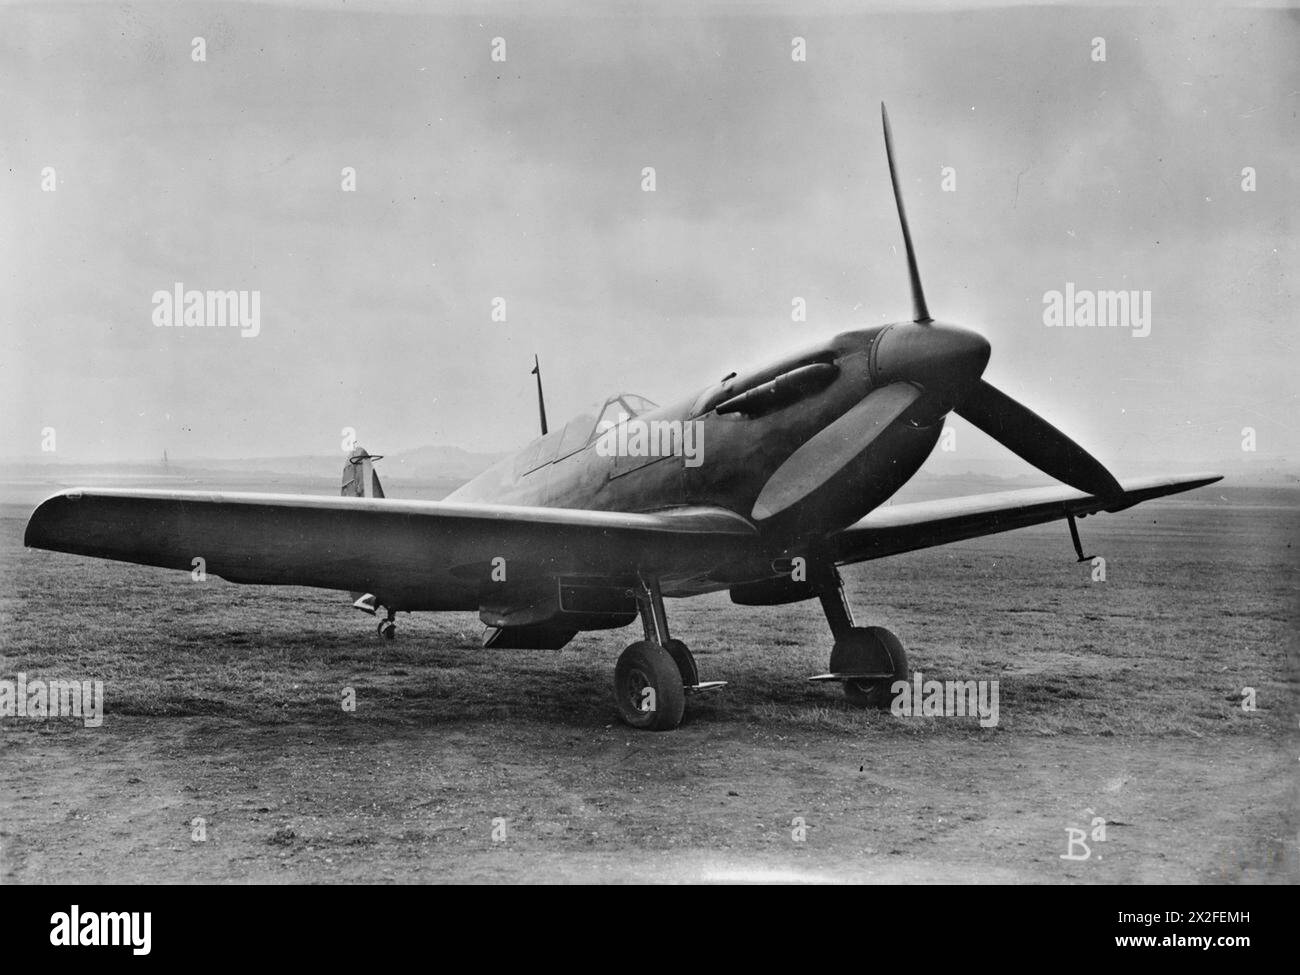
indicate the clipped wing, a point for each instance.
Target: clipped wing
{"x":417,"y":554}
{"x":906,"y":527}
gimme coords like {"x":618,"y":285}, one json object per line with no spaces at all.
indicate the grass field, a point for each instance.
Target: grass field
{"x":1118,"y":699}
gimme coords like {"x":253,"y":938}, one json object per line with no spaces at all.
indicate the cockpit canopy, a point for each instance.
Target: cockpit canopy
{"x":583,"y":429}
{"x":599,"y":417}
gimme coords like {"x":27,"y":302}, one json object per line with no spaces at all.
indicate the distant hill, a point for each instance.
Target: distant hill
{"x":442,"y":462}
{"x":424,"y":462}
{"x":428,"y":472}
{"x":431,"y":472}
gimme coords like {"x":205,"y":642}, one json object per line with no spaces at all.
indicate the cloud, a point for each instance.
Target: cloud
{"x":479,"y":179}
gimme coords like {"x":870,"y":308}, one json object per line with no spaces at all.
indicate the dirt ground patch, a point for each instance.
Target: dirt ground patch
{"x":1118,"y":700}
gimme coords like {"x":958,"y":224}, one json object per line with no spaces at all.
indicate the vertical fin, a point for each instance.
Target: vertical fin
{"x":359,"y":477}
{"x":361,"y":481}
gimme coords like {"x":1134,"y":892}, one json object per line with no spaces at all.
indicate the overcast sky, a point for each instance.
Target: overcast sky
{"x":523,"y":180}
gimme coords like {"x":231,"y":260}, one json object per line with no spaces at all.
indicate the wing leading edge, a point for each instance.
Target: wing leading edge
{"x":906,"y":527}
{"x":438,"y":555}
{"x":418,"y":554}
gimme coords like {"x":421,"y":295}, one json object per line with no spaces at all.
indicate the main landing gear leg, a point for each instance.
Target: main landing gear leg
{"x":654,"y":675}
{"x":865,"y":659}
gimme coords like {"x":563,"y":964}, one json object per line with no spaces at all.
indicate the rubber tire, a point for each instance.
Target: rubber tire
{"x":856,"y":652}
{"x":681,"y":654}
{"x":387,"y":630}
{"x":645,"y":664}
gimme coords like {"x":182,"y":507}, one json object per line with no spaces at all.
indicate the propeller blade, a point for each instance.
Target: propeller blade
{"x":1030,"y":437}
{"x":920,"y":313}
{"x":833,"y":448}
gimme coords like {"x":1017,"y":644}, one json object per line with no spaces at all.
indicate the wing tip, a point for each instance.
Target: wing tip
{"x":1188,"y":482}
{"x":1138,"y":490}
{"x":39,"y":530}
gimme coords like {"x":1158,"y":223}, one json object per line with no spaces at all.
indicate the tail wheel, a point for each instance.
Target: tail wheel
{"x":872,"y":650}
{"x":648,"y":687}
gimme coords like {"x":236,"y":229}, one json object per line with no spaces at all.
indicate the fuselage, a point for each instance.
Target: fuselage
{"x":745,"y":428}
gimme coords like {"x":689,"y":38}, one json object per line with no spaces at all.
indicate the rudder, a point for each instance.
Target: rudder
{"x":359,"y":477}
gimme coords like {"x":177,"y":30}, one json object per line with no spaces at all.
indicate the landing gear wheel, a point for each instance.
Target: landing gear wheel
{"x":870,"y":649}
{"x":648,"y":687}
{"x":681,"y":655}
{"x":387,"y":629}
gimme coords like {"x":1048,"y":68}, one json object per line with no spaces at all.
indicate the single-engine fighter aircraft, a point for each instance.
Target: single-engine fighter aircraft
{"x":584,"y":529}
